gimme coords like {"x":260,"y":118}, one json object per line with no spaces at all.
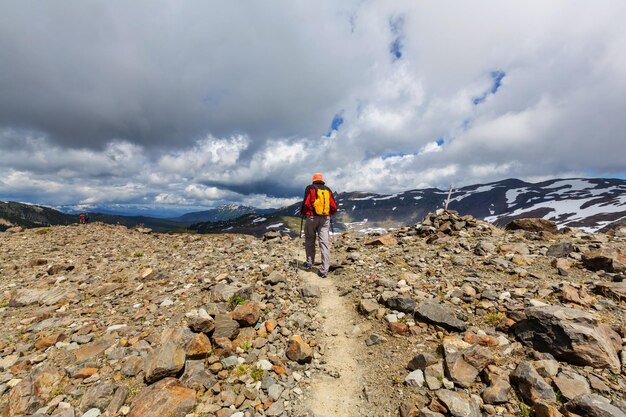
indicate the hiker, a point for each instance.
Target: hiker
{"x":86,"y":218}
{"x":81,"y":218}
{"x":317,"y":207}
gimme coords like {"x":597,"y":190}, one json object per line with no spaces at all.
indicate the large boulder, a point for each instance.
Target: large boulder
{"x":570,"y":335}
{"x":533,"y":225}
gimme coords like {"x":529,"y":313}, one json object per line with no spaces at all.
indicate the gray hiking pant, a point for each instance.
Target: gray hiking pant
{"x":317,"y":226}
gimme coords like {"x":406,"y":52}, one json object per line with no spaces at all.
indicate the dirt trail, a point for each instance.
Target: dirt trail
{"x":339,"y":394}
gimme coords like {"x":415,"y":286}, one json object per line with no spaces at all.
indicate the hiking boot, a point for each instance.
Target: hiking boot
{"x":307,"y":265}
{"x":321,"y":274}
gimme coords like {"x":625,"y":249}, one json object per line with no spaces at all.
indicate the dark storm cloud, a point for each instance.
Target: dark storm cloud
{"x":202,"y":102}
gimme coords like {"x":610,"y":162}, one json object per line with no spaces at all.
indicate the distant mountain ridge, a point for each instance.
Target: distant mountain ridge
{"x":31,"y":215}
{"x":221,"y":213}
{"x":590,"y":204}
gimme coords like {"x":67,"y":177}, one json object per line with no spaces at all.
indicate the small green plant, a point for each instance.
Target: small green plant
{"x":494,"y":318}
{"x":245,"y":345}
{"x":4,"y":303}
{"x":256,"y":374}
{"x":236,"y":300}
{"x":133,"y":388}
{"x":138,"y":255}
{"x":524,"y":410}
{"x":241,"y":370}
{"x":43,"y":231}
{"x":559,"y":396}
{"x":58,"y":390}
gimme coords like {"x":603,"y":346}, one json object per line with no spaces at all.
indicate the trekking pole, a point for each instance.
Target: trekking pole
{"x":300,"y":242}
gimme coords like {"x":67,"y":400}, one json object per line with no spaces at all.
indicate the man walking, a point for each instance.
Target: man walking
{"x":317,"y":207}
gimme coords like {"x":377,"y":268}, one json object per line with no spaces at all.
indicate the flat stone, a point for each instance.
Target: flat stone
{"x":560,"y":250}
{"x":368,"y":306}
{"x":247,"y":314}
{"x":404,"y":304}
{"x":167,"y":360}
{"x":385,"y":240}
{"x":34,"y":392}
{"x":593,"y":405}
{"x":310,"y":291}
{"x":92,"y":350}
{"x":196,"y":376}
{"x":571,"y":388}
{"x":415,"y":378}
{"x":434,"y":375}
{"x":459,"y":404}
{"x":25,"y":296}
{"x":533,"y":225}
{"x":165,"y":398}
{"x":439,"y":314}
{"x":457,"y":368}
{"x":611,"y":289}
{"x":497,"y":392}
{"x":202,"y":325}
{"x":298,"y":350}
{"x":97,"y":396}
{"x":606,"y":260}
{"x":530,"y":385}
{"x":225,"y":327}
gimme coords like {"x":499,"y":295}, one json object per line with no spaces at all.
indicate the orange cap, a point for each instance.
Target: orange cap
{"x":318,"y":177}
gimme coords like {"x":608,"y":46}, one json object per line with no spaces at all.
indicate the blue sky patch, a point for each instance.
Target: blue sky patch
{"x":496,"y":78}
{"x":395,"y":154}
{"x":440,"y":141}
{"x":396,"y":26}
{"x":335,"y":124}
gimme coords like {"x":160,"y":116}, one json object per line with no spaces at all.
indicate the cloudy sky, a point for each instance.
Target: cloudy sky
{"x":182,"y":105}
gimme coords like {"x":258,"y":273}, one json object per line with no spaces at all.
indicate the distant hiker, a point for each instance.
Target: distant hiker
{"x":81,"y":218}
{"x":86,"y":218}
{"x":317,"y":207}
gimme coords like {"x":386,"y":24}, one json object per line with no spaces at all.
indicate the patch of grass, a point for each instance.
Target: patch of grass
{"x":138,"y":254}
{"x":524,"y":410}
{"x":4,"y":303}
{"x":494,"y":318}
{"x":236,"y":300}
{"x":256,"y":374}
{"x":241,"y":369}
{"x":245,"y":345}
{"x":58,"y":390}
{"x":133,"y":388}
{"x":43,"y":231}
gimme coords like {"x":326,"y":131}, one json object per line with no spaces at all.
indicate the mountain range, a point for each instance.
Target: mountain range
{"x":590,"y":204}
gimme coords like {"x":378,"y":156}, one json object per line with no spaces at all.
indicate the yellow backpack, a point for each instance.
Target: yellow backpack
{"x":322,"y":201}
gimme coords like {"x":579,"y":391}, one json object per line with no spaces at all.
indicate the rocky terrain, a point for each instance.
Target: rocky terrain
{"x":448,"y":317}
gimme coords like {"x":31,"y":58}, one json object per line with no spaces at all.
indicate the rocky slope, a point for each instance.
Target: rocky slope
{"x":449,"y":317}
